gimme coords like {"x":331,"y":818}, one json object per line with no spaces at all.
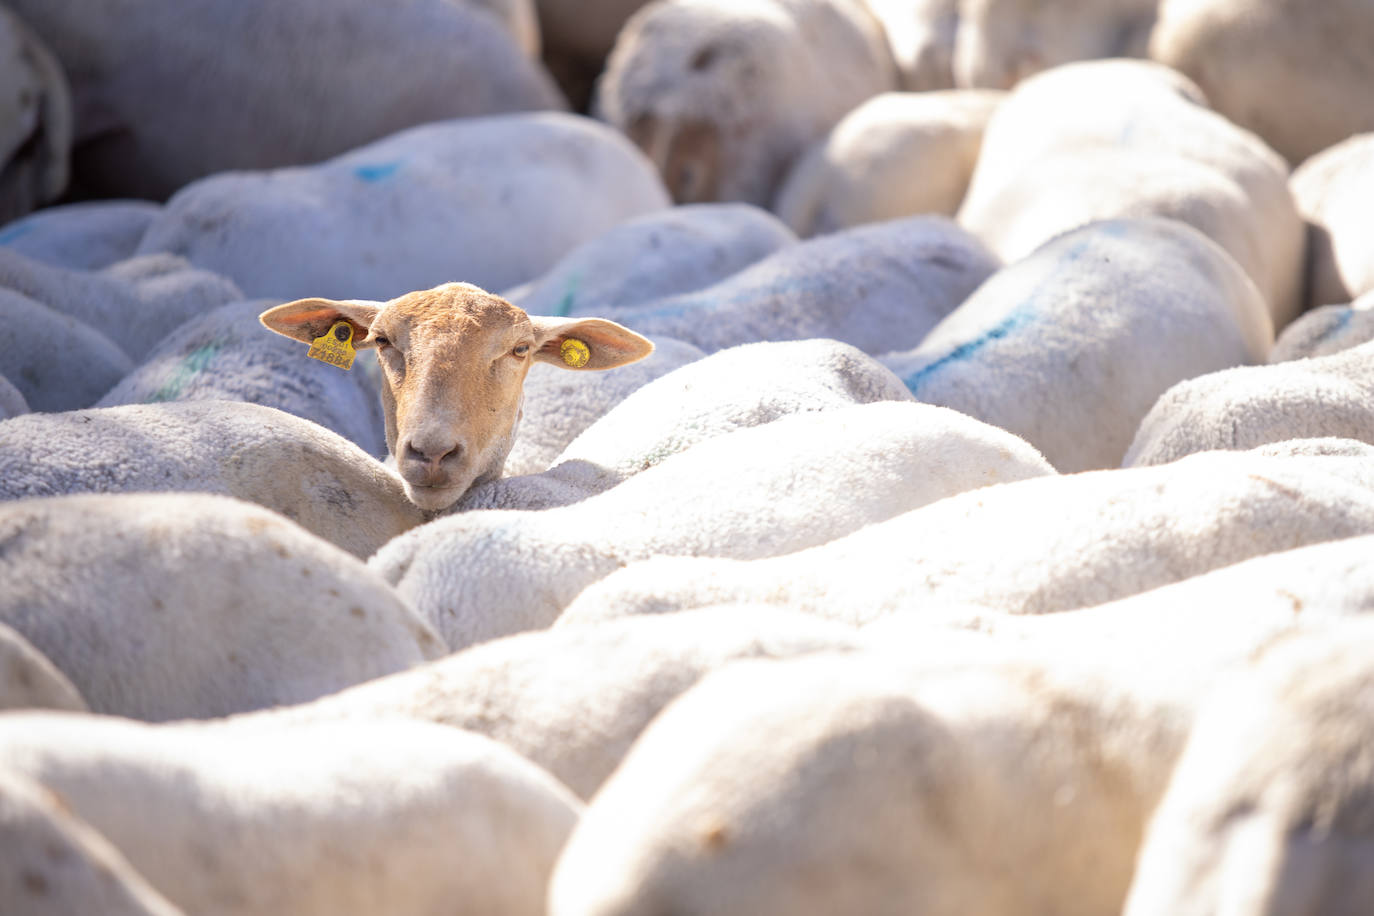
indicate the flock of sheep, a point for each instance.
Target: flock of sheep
{"x":692,"y":530}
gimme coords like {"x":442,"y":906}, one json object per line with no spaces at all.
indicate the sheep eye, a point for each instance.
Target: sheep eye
{"x":382,"y":341}
{"x":521,"y":350}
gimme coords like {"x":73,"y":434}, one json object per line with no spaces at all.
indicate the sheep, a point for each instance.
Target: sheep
{"x":733,"y":389}
{"x":1098,"y":536}
{"x":1268,"y":808}
{"x":559,"y":406}
{"x":652,"y":256}
{"x":1002,"y":42}
{"x":1325,"y":330}
{"x":517,"y":18}
{"x":35,"y":121}
{"x":259,"y":454}
{"x":28,"y":680}
{"x":921,"y":36}
{"x":1252,"y":405}
{"x":162,"y":606}
{"x":134,"y":302}
{"x":454,"y":360}
{"x":1111,"y":139}
{"x":224,"y":355}
{"x":157,"y":108}
{"x":229,"y":819}
{"x":1070,"y":347}
{"x":64,"y":363}
{"x":793,"y":483}
{"x":12,"y":402}
{"x":577,"y":36}
{"x":573,"y":700}
{"x":866,"y":782}
{"x":1329,"y":189}
{"x":897,"y":154}
{"x":914,"y":272}
{"x":723,"y":94}
{"x":1318,"y":95}
{"x":85,"y":236}
{"x":54,"y":864}
{"x":494,"y":200}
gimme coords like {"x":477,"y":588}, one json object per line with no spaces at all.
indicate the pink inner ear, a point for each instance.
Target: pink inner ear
{"x":313,"y":316}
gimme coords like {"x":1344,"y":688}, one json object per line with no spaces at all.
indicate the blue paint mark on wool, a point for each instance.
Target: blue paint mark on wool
{"x":1342,"y":320}
{"x":377,"y":172}
{"x":15,"y":231}
{"x":1017,"y":319}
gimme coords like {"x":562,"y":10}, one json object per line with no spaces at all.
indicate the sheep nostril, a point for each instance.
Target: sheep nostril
{"x":432,"y":456}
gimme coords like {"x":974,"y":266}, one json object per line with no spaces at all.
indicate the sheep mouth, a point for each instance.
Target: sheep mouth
{"x":432,"y":497}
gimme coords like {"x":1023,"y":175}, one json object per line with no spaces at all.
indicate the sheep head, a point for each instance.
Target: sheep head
{"x":454,"y":360}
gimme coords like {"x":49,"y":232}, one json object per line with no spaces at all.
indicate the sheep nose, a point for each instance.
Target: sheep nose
{"x":429,"y":454}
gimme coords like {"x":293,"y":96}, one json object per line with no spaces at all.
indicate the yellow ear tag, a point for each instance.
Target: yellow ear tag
{"x":575,"y":353}
{"x":335,"y":346}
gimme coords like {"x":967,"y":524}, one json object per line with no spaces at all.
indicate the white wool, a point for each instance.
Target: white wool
{"x":560,"y":405}
{"x":1031,"y":547}
{"x":495,"y":201}
{"x":163,"y":606}
{"x":224,"y":355}
{"x":1120,"y":138}
{"x":84,"y":236}
{"x":793,"y":483}
{"x":669,"y":251}
{"x":869,"y":782}
{"x":135,"y":302}
{"x":724,"y":94}
{"x":28,"y":680}
{"x":921,"y":36}
{"x":1332,"y":190}
{"x":878,"y":287}
{"x":319,"y":480}
{"x":1252,"y":405}
{"x":1326,"y":329}
{"x":1294,"y":72}
{"x":726,"y":391}
{"x":163,"y":102}
{"x":574,"y":699}
{"x":12,"y":402}
{"x":54,"y":864}
{"x":517,"y":18}
{"x":1001,"y":42}
{"x":1268,"y":811}
{"x":35,"y":121}
{"x":897,"y":154}
{"x":63,"y":363}
{"x":344,"y":819}
{"x":1070,"y":347}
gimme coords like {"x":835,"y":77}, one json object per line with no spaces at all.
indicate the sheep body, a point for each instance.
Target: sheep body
{"x":653,"y":256}
{"x":763,"y":491}
{"x":1252,"y":405}
{"x":65,"y":363}
{"x":915,"y":271}
{"x":1330,"y":189}
{"x":162,"y":606}
{"x":897,"y":154}
{"x":35,"y":121}
{"x":85,"y":236}
{"x":223,"y":355}
{"x":723,"y":94}
{"x":1098,"y":536}
{"x":28,"y":680}
{"x":1070,"y":347}
{"x":413,"y":210}
{"x":401,"y":817}
{"x":258,"y":454}
{"x":12,"y":402}
{"x":159,"y":103}
{"x":1326,"y":329}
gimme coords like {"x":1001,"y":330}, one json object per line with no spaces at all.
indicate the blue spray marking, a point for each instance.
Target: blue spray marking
{"x":378,"y":172}
{"x":1020,"y":316}
{"x":15,"y":231}
{"x":191,"y":365}
{"x":1337,"y":326}
{"x":564,"y":307}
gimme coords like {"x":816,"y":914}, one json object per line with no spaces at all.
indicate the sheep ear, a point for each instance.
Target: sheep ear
{"x":306,"y":319}
{"x":587,"y":343}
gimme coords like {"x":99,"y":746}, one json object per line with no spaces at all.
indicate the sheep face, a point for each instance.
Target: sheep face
{"x":454,"y":360}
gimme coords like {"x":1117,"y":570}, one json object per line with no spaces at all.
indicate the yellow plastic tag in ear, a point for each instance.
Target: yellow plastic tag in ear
{"x":575,"y":353}
{"x":335,"y":346}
